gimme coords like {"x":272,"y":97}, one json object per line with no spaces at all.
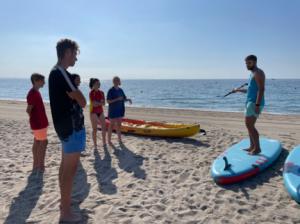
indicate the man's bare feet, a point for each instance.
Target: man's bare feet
{"x":254,"y":152}
{"x":249,"y":149}
{"x":70,"y":218}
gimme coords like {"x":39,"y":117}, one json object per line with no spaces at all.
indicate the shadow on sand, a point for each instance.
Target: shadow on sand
{"x":80,"y":192}
{"x":190,"y":141}
{"x":27,"y":199}
{"x":261,"y":178}
{"x":129,"y":161}
{"x":105,"y":174}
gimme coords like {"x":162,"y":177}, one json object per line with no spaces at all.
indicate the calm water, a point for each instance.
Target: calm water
{"x":282,"y":96}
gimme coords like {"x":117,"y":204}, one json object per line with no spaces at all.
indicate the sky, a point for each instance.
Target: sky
{"x":152,"y":39}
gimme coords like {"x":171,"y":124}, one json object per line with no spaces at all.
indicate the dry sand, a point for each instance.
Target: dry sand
{"x":149,"y":180}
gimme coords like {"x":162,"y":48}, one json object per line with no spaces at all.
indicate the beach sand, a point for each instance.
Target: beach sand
{"x":149,"y":180}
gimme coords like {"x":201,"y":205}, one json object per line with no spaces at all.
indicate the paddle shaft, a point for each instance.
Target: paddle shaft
{"x":245,"y":84}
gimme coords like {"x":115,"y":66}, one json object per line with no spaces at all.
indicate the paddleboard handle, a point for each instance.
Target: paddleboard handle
{"x":227,"y":165}
{"x":202,"y":131}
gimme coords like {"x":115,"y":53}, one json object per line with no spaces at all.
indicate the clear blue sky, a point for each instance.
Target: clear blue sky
{"x":153,"y":38}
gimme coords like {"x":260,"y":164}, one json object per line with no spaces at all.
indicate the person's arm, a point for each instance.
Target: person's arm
{"x":125,"y":98}
{"x":103,"y":99}
{"x":115,"y":100}
{"x":260,"y":81}
{"x":78,"y":97}
{"x":65,"y":84}
{"x":29,"y":109}
{"x":110,"y":100}
{"x":93,"y":100}
{"x":31,"y":99}
{"x":96,"y":103}
{"x":129,"y":100}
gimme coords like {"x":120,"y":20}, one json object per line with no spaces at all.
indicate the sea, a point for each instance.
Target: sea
{"x":282,"y":95}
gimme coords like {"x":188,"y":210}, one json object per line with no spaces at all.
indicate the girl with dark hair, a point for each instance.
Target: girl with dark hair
{"x":97,"y":101}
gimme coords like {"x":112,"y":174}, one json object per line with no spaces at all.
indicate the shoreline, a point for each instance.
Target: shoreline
{"x":167,"y":108}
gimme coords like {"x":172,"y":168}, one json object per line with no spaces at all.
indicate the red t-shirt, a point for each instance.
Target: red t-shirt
{"x":38,"y":118}
{"x":96,"y":96}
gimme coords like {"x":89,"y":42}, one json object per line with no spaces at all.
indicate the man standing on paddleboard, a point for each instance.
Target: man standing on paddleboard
{"x":255,"y":102}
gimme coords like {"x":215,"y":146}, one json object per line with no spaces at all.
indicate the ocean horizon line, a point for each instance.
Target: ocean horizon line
{"x":156,"y":79}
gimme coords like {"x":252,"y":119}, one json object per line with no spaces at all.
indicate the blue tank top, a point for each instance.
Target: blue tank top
{"x":252,"y":91}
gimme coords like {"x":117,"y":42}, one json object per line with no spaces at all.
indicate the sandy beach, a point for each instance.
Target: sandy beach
{"x":148,"y":180}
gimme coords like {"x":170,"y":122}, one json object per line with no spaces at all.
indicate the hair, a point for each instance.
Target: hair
{"x":64,"y":44}
{"x":36,"y":77}
{"x":74,"y":76}
{"x":251,"y":58}
{"x":116,"y":77}
{"x":92,"y":82}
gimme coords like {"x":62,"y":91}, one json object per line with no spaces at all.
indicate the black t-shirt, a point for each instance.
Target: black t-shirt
{"x":67,"y":115}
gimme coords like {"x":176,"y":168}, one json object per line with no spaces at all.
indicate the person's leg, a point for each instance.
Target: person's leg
{"x":250,"y":123}
{"x":35,"y":146}
{"x":41,"y":154}
{"x":250,"y":137}
{"x":103,"y":128}
{"x":94,"y":121}
{"x":67,"y":172}
{"x":118,"y":129}
{"x":61,"y":170}
{"x":41,"y":140}
{"x":257,"y":148}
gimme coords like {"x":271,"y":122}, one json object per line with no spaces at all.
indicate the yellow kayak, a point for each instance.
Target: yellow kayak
{"x":158,"y":129}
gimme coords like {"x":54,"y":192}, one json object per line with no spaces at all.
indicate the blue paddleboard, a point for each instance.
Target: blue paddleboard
{"x":291,"y":173}
{"x":235,"y":164}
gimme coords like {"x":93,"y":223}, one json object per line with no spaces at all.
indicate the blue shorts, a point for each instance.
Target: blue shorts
{"x":75,"y":142}
{"x":250,"y":110}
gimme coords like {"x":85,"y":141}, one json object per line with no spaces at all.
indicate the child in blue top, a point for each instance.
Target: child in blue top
{"x":116,"y":99}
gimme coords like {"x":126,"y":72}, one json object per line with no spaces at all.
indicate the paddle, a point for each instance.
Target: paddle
{"x":245,"y":84}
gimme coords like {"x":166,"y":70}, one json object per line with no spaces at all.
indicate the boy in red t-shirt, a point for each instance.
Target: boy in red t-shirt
{"x":38,"y":122}
{"x":97,"y":101}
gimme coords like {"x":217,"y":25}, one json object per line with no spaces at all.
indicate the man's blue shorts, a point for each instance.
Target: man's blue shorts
{"x":75,"y":142}
{"x":250,"y":110}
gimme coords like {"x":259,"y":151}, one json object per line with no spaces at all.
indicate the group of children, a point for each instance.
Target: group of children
{"x":39,"y":121}
{"x":115,"y":99}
